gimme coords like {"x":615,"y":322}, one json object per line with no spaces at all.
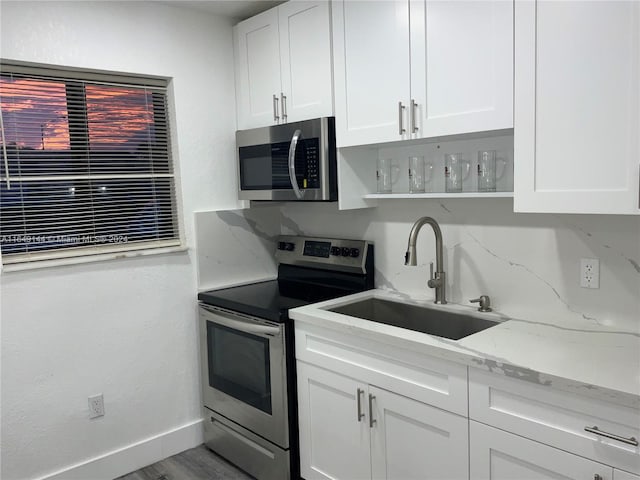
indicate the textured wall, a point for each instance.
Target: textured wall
{"x":125,"y":328}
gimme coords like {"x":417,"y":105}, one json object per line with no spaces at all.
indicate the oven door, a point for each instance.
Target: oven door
{"x":244,"y":375}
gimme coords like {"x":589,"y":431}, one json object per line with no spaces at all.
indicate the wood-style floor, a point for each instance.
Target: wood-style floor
{"x":198,"y":463}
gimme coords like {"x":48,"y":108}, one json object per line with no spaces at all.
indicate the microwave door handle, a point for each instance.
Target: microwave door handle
{"x":292,"y":164}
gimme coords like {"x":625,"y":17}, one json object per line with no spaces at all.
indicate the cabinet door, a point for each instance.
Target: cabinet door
{"x":305,"y":53}
{"x":334,"y":428}
{"x":461,"y":66}
{"x":498,"y":455}
{"x":371,"y":61}
{"x":257,"y":69}
{"x":577,"y":107}
{"x":620,"y":475}
{"x":412,"y":440}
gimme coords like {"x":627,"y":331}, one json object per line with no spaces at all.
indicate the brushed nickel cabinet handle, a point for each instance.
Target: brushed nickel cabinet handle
{"x":372,"y":421}
{"x":276,"y":117}
{"x":414,"y":106}
{"x":360,"y":414}
{"x":612,"y":436}
{"x":401,"y":128}
{"x":283,"y":98}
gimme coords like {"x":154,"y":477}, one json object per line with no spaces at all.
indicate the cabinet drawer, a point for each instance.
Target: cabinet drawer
{"x":620,"y":475}
{"x":556,"y":418}
{"x":498,"y":455}
{"x":413,"y":374}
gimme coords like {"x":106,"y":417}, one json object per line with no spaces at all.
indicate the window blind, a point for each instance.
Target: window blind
{"x":87,"y":165}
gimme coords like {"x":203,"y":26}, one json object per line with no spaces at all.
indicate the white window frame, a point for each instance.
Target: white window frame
{"x":102,"y":252}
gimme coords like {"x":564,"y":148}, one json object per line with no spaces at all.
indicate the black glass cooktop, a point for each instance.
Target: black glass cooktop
{"x":273,"y":299}
{"x":263,"y":299}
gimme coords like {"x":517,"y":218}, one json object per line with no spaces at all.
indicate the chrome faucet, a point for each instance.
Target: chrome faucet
{"x":437,"y":281}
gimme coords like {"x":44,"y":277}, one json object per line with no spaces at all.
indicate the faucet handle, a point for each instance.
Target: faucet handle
{"x":432,"y":282}
{"x":485,"y":303}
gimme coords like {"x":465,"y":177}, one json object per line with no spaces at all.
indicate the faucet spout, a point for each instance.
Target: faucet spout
{"x":437,"y":280}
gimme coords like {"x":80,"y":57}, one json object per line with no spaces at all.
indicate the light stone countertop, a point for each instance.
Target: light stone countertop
{"x":577,"y":357}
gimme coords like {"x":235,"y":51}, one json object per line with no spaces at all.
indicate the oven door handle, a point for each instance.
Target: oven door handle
{"x":241,"y":324}
{"x":292,"y":164}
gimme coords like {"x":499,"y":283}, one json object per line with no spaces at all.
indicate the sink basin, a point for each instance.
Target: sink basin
{"x":441,"y":323}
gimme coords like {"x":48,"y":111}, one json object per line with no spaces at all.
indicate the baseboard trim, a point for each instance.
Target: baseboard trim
{"x":132,"y":457}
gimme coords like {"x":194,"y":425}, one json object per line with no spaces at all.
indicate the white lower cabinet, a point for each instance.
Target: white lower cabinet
{"x":401,"y":414}
{"x":334,"y":437}
{"x":414,"y":441}
{"x":620,"y":475}
{"x":498,"y":455}
{"x":564,"y":420}
{"x":350,"y":430}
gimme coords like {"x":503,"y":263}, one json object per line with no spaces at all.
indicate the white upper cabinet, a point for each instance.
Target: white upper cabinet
{"x":421,"y":68}
{"x":305,"y":56}
{"x":283,"y":65}
{"x":461,"y":66}
{"x":577,"y":107}
{"x":257,"y":69}
{"x":371,"y":56}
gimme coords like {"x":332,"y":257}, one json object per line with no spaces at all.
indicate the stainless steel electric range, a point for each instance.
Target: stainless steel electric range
{"x":248,"y":357}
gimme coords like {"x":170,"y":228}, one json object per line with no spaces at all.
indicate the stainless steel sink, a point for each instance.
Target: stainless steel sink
{"x":432,"y":321}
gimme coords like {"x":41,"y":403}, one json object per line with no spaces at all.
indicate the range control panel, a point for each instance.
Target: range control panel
{"x":330,"y":253}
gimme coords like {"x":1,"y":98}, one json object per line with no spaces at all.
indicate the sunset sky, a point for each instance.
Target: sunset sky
{"x":35,"y":113}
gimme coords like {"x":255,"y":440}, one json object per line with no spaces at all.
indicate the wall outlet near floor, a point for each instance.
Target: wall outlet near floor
{"x":96,"y":406}
{"x":589,"y":273}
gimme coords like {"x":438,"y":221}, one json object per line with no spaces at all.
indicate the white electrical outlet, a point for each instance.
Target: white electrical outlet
{"x":96,"y":406}
{"x":589,"y":273}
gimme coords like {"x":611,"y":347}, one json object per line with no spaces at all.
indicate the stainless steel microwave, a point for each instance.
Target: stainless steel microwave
{"x":289,"y":162}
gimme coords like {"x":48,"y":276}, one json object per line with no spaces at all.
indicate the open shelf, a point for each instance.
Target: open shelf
{"x":389,"y":196}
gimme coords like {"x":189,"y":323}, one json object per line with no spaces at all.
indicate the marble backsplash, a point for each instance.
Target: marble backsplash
{"x":527,"y":263}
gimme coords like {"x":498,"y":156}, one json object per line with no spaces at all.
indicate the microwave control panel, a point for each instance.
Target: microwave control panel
{"x":308,"y":164}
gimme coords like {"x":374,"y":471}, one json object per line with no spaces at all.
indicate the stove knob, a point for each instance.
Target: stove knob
{"x":345,"y":252}
{"x":335,"y":251}
{"x":289,"y":246}
{"x":354,"y":252}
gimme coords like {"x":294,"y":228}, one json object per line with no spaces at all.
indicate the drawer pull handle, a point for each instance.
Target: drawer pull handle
{"x":597,"y":431}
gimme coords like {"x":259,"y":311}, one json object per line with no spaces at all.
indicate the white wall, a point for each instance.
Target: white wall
{"x":124,"y":328}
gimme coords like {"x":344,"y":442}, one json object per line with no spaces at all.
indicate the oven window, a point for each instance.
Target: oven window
{"x":239,"y":365}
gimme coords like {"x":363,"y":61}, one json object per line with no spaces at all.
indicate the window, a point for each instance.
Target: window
{"x":86,"y":165}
